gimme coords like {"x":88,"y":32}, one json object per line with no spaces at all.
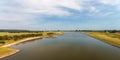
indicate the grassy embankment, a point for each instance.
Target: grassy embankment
{"x":111,"y":38}
{"x":8,"y":39}
{"x":4,"y":52}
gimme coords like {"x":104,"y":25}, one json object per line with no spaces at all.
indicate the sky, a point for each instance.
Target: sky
{"x":60,"y":14}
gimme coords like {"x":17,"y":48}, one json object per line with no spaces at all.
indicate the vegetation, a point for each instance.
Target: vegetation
{"x":4,"y":51}
{"x":4,"y":38}
{"x":112,"y":38}
{"x":10,"y":36}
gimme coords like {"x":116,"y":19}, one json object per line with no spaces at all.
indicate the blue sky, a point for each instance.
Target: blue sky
{"x":60,"y":14}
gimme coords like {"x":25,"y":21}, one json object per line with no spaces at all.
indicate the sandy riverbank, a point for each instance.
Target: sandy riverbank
{"x":24,"y":40}
{"x":9,"y":54}
{"x":18,"y":42}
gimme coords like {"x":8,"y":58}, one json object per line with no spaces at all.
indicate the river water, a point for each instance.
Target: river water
{"x":70,"y":46}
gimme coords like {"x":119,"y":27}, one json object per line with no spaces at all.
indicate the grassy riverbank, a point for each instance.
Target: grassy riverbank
{"x":4,"y":52}
{"x":111,"y":38}
{"x":9,"y":39}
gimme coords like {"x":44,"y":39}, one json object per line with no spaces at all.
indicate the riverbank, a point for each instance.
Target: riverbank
{"x":24,"y":40}
{"x":106,"y":37}
{"x":9,"y":51}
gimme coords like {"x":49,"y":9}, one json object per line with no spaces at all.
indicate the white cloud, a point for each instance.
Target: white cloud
{"x":98,"y":12}
{"x":50,"y":7}
{"x":111,"y":2}
{"x":22,"y":13}
{"x":93,"y":10}
{"x":25,"y":12}
{"x":25,"y":9}
{"x":14,"y":9}
{"x":15,"y":17}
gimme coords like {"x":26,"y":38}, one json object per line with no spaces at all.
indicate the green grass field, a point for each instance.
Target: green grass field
{"x":112,"y":38}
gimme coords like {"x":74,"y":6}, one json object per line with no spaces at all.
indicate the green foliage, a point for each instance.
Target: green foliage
{"x":17,"y":36}
{"x":10,"y":37}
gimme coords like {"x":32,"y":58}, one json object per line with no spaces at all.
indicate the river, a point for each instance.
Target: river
{"x":69,"y":46}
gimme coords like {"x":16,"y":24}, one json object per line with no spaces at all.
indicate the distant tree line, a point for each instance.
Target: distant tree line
{"x":110,"y":31}
{"x":10,"y":30}
{"x":18,"y":31}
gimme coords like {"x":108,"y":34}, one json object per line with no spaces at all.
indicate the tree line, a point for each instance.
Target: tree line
{"x":110,"y":31}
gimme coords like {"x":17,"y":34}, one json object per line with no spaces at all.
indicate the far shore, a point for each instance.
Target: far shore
{"x":103,"y":37}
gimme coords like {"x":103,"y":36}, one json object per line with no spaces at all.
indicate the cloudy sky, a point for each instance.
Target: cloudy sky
{"x":59,"y":14}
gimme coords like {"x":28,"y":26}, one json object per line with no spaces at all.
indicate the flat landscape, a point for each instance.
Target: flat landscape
{"x":59,"y":29}
{"x":8,"y":39}
{"x":69,"y":46}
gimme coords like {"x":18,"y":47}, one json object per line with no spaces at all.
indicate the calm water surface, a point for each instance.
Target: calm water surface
{"x":70,"y":46}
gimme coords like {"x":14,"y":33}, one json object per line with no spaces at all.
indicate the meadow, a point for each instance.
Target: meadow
{"x":112,"y":38}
